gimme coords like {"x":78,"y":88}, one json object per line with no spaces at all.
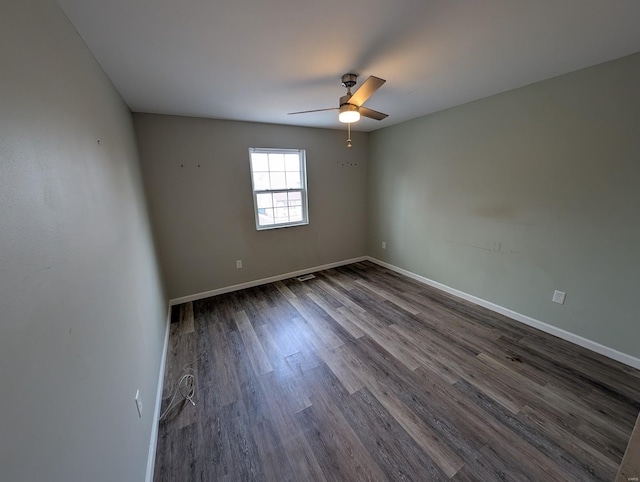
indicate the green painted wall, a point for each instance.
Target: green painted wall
{"x":512,"y":196}
{"x":82,"y":304}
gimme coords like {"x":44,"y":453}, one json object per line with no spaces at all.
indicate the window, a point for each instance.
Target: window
{"x":279,"y":187}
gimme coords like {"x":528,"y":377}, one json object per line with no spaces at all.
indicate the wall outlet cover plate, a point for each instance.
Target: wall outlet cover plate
{"x":559,"y":296}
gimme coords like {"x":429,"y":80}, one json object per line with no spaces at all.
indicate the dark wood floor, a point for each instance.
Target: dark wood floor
{"x":363,"y":374}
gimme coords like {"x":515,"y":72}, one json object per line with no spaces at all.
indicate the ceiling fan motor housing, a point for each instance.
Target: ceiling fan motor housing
{"x":349,"y":80}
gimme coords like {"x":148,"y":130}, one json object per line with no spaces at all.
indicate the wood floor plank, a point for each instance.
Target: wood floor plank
{"x":599,"y":465}
{"x":339,"y":363}
{"x":533,"y":446}
{"x":300,"y":455}
{"x":397,"y":453}
{"x":217,"y":367}
{"x":495,"y":382}
{"x":283,"y":373}
{"x":271,"y":348}
{"x":338,"y":449}
{"x":259,"y":360}
{"x":517,"y":460}
{"x":466,"y":334}
{"x":474,"y":313}
{"x":620,"y":412}
{"x":392,"y":281}
{"x":598,"y":374}
{"x":396,"y":300}
{"x":317,"y":333}
{"x":383,"y":310}
{"x":342,"y":278}
{"x":178,"y":460}
{"x":422,"y":433}
{"x":595,"y":362}
{"x":564,"y":404}
{"x":364,"y":320}
{"x":456,"y":436}
{"x":478,"y":469}
{"x":273,"y":456}
{"x":303,"y":360}
{"x":364,"y":374}
{"x":250,"y":390}
{"x":553,"y":373}
{"x":386,"y":338}
{"x":366,"y":363}
{"x":478,"y":428}
{"x":186,"y":318}
{"x":290,"y":391}
{"x":286,"y":334}
{"x":314,"y":286}
{"x":347,"y":324}
{"x":432,"y":357}
{"x":340,"y":296}
{"x":233,"y":436}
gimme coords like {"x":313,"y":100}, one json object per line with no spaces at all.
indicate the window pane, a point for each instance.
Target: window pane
{"x":292,"y":162}
{"x":264,"y":200}
{"x":281,"y":215}
{"x":265,"y":218}
{"x":278,"y":180}
{"x":261,"y":181}
{"x":259,"y":162}
{"x":293,"y":180}
{"x":281,"y":210}
{"x":276,"y":162}
{"x":295,"y":199}
{"x":295,"y":214}
{"x":280,"y":198}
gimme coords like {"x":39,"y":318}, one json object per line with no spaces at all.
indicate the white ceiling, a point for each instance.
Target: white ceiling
{"x":257,"y":60}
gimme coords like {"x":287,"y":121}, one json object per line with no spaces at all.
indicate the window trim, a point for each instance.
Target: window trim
{"x":302,"y":155}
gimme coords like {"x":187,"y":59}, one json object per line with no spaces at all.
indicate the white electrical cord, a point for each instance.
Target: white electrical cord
{"x":186,"y":387}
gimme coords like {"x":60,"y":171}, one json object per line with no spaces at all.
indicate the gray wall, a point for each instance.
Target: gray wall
{"x":81,"y":304}
{"x":203,"y":216}
{"x":513,"y":196}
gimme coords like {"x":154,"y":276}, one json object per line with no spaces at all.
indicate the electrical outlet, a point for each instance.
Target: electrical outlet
{"x":559,"y":296}
{"x":239,"y":263}
{"x":138,"y":403}
{"x":384,"y":245}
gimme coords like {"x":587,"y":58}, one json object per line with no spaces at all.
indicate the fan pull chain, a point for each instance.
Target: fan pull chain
{"x":349,"y":135}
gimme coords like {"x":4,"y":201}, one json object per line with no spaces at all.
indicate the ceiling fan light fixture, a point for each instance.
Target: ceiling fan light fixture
{"x":349,"y":113}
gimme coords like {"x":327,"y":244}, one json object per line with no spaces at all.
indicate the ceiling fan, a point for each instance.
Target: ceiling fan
{"x":351,"y":104}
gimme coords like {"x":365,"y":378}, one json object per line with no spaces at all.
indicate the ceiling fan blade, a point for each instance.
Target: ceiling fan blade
{"x":315,"y":110}
{"x":366,"y":90}
{"x":372,"y":114}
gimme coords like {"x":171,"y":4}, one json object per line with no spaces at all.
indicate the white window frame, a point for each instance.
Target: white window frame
{"x":303,"y":188}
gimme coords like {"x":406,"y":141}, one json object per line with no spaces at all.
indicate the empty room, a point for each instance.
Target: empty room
{"x":319,"y":241}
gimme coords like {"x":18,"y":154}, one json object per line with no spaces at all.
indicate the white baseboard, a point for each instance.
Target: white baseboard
{"x":263,"y":281}
{"x":540,"y":325}
{"x":151,"y":459}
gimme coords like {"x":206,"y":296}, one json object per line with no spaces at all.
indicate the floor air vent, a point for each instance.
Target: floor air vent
{"x":305,"y":277}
